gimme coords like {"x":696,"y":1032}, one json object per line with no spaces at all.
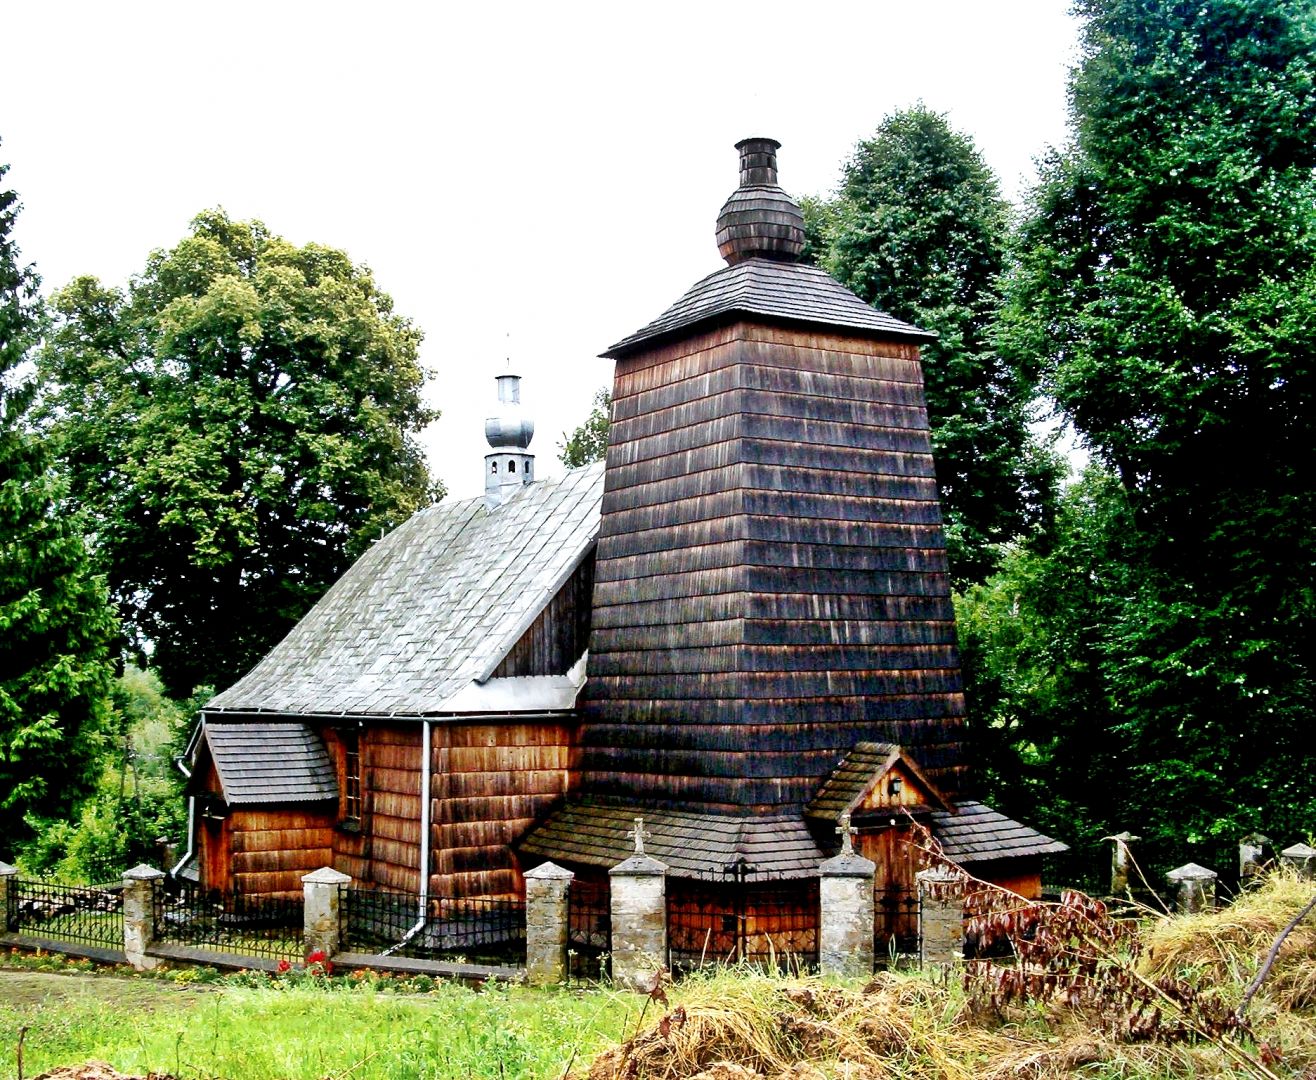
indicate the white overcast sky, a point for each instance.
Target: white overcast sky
{"x":535,"y":180}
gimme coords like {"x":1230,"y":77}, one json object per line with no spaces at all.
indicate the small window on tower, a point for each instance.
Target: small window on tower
{"x":511,"y":466}
{"x":493,"y":466}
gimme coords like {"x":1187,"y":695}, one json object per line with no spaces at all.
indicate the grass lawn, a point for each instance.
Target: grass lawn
{"x":286,"y":1032}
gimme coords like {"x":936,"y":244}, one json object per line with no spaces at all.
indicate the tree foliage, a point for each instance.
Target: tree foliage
{"x":920,"y":230}
{"x":1166,"y":290}
{"x":588,"y":442}
{"x":239,"y":426}
{"x":55,"y":623}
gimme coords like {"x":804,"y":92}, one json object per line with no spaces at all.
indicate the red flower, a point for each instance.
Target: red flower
{"x":284,"y":967}
{"x":317,"y":957}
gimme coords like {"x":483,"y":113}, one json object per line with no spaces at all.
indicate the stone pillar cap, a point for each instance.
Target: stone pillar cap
{"x":1256,"y":838}
{"x":937,"y":873}
{"x":1125,"y":836}
{"x":142,"y":872}
{"x":851,"y":865}
{"x":1192,"y":872}
{"x":639,"y":866}
{"x":1299,"y":851}
{"x":6,"y":869}
{"x":326,"y":875}
{"x":549,"y":871}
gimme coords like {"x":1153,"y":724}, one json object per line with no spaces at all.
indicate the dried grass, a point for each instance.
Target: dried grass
{"x":1218,"y":950}
{"x":740,"y":1025}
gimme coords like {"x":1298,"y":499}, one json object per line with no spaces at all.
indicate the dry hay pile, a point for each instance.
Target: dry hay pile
{"x":1223,"y":949}
{"x":745,"y":1026}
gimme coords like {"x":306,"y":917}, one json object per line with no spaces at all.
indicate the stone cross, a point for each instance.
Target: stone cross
{"x":848,"y":833}
{"x":641,"y":834}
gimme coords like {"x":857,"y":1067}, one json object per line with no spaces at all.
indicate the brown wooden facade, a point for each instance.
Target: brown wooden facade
{"x":771,"y":581}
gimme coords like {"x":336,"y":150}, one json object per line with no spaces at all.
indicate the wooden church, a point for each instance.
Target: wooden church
{"x":737,"y":628}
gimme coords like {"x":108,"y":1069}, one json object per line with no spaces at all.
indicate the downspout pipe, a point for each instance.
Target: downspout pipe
{"x":426,"y":758}
{"x":422,"y":909}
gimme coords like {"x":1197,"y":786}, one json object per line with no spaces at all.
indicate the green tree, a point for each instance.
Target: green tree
{"x":55,"y":623}
{"x":920,"y":230}
{"x":588,"y":442}
{"x":1166,"y":289}
{"x":239,"y":426}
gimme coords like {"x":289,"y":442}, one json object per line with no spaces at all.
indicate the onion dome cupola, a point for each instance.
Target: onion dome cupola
{"x":759,"y":219}
{"x":508,"y":466}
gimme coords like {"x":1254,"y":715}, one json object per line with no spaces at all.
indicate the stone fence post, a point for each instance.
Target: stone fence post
{"x":1302,"y":858}
{"x":7,"y":874}
{"x":1120,"y":861}
{"x":141,"y":891}
{"x":322,"y":929}
{"x":1251,"y":855}
{"x":546,"y":891}
{"x":1194,"y":888}
{"x":845,"y":918}
{"x":941,"y":918}
{"x":639,"y":917}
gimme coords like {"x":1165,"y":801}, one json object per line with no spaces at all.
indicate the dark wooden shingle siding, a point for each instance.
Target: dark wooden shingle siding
{"x":771,"y":581}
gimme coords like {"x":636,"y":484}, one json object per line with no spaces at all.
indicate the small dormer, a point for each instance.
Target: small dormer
{"x":874,"y":783}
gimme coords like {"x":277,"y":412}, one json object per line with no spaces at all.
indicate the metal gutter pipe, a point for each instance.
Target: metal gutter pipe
{"x":425,"y":802}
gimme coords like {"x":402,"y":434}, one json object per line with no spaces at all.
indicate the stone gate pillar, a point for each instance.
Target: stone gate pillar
{"x":322,"y":927}
{"x":941,"y":918}
{"x":141,"y":890}
{"x":547,"y":888}
{"x":845,"y":918}
{"x":639,"y":917}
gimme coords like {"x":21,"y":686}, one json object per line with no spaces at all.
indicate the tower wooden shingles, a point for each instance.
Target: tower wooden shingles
{"x":771,"y":580}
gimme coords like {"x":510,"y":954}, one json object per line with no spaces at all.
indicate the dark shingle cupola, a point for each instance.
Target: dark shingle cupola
{"x":760,"y":219}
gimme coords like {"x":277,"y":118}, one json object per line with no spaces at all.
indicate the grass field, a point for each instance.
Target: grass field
{"x":296,"y":1032}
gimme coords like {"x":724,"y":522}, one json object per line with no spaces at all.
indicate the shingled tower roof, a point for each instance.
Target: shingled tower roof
{"x":771,"y":582}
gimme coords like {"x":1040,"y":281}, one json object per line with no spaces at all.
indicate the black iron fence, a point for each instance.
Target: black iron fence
{"x":394,"y":923}
{"x":589,"y":932}
{"x":896,"y":914}
{"x":89,"y":915}
{"x":268,"y":926}
{"x":771,"y":925}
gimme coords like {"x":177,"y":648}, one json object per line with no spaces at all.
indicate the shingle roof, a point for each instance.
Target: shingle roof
{"x":777,"y":290}
{"x":692,"y":845}
{"x":431,"y":608}
{"x":977,"y":833}
{"x":270,"y":763}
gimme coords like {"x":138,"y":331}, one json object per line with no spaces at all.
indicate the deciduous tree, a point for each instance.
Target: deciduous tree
{"x":588,"y":442}
{"x":239,"y":425}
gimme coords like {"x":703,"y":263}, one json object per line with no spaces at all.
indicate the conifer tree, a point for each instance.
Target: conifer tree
{"x":55,"y":625}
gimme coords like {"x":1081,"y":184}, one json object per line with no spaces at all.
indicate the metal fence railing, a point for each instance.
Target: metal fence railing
{"x":89,"y":915}
{"x":394,"y":923}
{"x":772,"y":925}
{"x":896,"y":928}
{"x":268,"y":926}
{"x":589,"y":932}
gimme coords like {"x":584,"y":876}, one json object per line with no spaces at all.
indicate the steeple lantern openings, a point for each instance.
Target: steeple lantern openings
{"x":508,"y":466}
{"x":760,"y":220}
